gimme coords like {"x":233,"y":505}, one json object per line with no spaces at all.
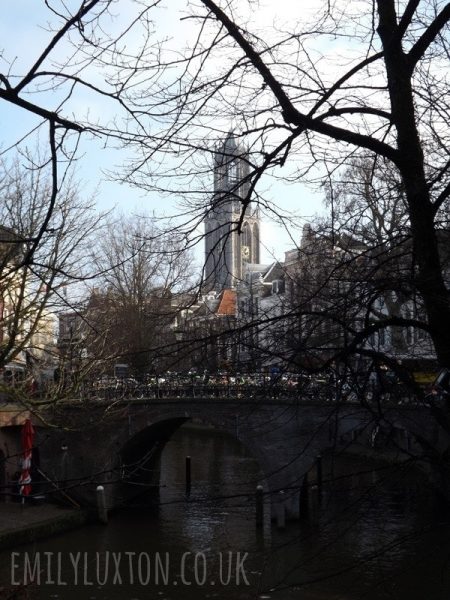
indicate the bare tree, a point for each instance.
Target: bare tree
{"x":35,"y":280}
{"x":368,"y":204}
{"x":385,"y":95}
{"x":303,"y":103}
{"x":142,"y":273}
{"x":79,"y":64}
{"x":387,"y":98}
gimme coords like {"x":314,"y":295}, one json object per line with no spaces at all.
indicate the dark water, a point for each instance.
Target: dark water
{"x":374,"y":534}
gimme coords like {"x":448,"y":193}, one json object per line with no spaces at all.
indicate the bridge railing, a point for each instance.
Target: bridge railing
{"x":242,"y":392}
{"x":238,"y":392}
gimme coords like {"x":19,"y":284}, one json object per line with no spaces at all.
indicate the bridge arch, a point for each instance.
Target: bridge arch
{"x":140,"y":454}
{"x":271,"y":434}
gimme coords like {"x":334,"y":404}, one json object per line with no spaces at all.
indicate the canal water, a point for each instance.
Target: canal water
{"x":373,"y":533}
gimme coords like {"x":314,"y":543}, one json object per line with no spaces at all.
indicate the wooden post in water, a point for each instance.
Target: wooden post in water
{"x":304,"y":497}
{"x":319,"y":473}
{"x":281,"y":511}
{"x":102,"y":511}
{"x":259,"y":506}
{"x":188,"y":475}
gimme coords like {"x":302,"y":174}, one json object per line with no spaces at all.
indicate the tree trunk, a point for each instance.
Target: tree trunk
{"x":428,"y":276}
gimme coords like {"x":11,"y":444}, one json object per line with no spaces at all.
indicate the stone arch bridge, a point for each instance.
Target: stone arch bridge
{"x":106,"y":442}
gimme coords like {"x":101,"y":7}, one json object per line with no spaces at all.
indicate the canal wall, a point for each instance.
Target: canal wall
{"x":25,"y":524}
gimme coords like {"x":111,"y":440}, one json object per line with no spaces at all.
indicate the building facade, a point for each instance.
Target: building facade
{"x":261,"y":307}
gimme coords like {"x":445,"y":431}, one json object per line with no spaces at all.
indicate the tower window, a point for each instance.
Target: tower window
{"x":233,"y":172}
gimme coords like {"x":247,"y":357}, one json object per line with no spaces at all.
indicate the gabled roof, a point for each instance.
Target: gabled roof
{"x":7,"y":234}
{"x":227,"y":304}
{"x":222,"y":305}
{"x":11,"y":245}
{"x":261,"y":273}
{"x":275,"y":271}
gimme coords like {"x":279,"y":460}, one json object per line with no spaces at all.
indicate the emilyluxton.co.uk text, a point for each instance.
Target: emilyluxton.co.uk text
{"x":127,"y":568}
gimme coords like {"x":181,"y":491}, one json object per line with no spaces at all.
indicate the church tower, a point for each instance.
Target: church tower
{"x":227,"y":250}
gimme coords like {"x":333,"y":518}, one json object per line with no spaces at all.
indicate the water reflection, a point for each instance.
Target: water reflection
{"x":371,"y":535}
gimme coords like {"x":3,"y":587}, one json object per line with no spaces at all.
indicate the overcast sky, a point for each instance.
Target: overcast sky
{"x":22,"y":35}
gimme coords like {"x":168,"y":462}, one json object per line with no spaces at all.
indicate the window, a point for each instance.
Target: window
{"x":277,"y":286}
{"x":233,"y":173}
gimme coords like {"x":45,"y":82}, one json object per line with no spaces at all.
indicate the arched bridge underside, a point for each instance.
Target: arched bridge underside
{"x":107,"y":444}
